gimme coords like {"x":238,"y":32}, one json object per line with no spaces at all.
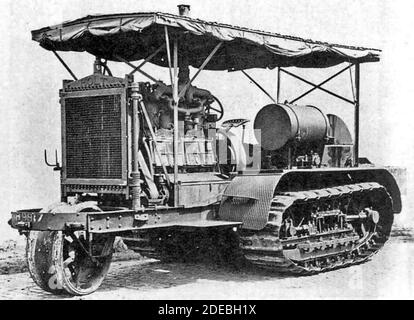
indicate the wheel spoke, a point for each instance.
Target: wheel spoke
{"x":68,"y":261}
{"x":72,"y":269}
{"x":211,"y":108}
{"x":68,"y":239}
{"x":364,"y":231}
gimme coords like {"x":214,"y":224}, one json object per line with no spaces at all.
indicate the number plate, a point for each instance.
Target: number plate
{"x":26,"y":217}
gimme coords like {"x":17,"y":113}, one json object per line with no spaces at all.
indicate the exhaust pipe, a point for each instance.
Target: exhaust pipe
{"x":184,"y":10}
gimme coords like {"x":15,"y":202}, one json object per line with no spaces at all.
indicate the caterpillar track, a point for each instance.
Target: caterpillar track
{"x":321,"y":230}
{"x":307,"y":232}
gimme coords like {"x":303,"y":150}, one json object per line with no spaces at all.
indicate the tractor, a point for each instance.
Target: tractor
{"x":149,"y":162}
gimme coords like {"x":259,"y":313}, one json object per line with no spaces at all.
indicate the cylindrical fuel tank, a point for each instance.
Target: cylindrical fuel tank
{"x":281,"y":123}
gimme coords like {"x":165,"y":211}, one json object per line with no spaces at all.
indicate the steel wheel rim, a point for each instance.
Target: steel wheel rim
{"x":80,"y":274}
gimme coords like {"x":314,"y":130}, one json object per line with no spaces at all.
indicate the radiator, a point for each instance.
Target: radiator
{"x":93,"y":137}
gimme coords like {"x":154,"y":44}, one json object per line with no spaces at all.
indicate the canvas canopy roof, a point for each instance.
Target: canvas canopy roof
{"x":134,"y":36}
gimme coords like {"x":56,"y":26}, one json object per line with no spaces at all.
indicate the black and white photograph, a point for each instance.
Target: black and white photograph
{"x":206,"y":150}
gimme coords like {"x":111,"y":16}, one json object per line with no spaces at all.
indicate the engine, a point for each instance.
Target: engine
{"x":194,"y":122}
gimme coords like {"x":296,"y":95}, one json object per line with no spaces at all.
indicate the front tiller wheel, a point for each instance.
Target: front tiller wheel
{"x":67,"y":263}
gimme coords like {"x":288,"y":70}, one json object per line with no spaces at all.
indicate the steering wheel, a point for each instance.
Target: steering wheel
{"x":219,"y":111}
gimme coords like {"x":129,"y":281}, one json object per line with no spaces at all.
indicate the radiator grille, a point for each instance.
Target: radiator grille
{"x":93,"y":137}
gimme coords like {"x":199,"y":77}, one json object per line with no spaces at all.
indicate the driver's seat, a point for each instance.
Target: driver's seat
{"x":234,"y":123}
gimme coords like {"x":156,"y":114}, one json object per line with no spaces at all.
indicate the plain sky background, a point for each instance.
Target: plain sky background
{"x":30,"y":78}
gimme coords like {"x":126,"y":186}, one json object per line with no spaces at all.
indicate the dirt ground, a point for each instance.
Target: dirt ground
{"x":389,"y":275}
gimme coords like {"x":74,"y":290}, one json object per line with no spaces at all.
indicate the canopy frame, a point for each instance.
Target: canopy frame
{"x":317,"y":86}
{"x":149,"y":58}
{"x":65,"y":65}
{"x":206,"y":61}
{"x":258,"y":85}
{"x":137,"y":69}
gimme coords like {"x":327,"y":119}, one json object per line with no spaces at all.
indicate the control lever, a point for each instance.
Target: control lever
{"x":56,"y":166}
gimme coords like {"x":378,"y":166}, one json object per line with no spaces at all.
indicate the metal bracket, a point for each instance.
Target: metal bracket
{"x":56,"y":166}
{"x":141,"y":217}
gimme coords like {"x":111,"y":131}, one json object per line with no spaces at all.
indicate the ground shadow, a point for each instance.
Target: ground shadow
{"x":403,"y":234}
{"x":147,"y":274}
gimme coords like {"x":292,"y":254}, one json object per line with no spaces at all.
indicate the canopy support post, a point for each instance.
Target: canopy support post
{"x":210,"y":56}
{"x":167,"y":41}
{"x":278,"y":86}
{"x":318,"y":87}
{"x":356,"y":115}
{"x":176,"y":131}
{"x":65,"y":65}
{"x":258,"y":85}
{"x":149,"y":58}
{"x":321,"y":84}
{"x":174,"y":86}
